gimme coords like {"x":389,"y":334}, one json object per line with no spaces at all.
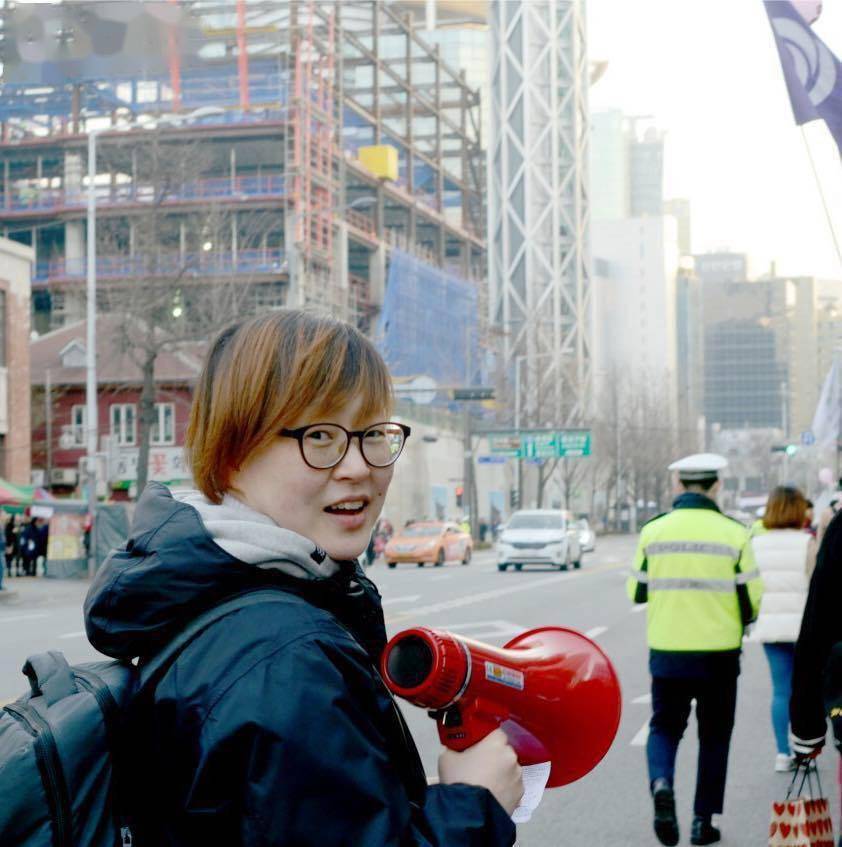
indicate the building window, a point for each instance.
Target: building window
{"x":163,"y":430}
{"x":78,"y":425}
{"x":123,"y":424}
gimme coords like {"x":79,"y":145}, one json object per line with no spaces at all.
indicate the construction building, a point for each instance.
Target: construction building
{"x":333,"y":124}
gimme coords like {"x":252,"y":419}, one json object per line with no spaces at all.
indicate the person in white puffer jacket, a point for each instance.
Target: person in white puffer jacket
{"x":785,"y":555}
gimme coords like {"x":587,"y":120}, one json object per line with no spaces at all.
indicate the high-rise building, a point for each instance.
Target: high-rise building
{"x":760,"y":350}
{"x":539,"y":256}
{"x":634,"y":296}
{"x":646,"y":173}
{"x":626,"y":166}
{"x":679,"y":208}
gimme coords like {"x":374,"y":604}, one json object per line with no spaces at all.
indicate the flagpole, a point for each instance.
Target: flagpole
{"x":824,"y":199}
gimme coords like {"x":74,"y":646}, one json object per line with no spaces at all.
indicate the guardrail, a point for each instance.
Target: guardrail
{"x":30,"y":199}
{"x":189,"y":265}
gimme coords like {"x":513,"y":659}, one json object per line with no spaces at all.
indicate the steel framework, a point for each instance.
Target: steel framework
{"x":540,"y":279}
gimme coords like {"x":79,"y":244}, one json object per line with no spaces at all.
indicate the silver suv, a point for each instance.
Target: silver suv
{"x":539,"y":537}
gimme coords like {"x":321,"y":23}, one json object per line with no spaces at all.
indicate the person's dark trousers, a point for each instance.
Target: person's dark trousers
{"x":716,"y":700}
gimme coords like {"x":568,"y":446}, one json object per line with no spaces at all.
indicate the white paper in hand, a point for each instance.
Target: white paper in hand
{"x":534,"y":782}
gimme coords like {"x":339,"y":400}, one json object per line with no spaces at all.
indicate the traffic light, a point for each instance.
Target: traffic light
{"x":514,"y":499}
{"x":460,"y":493}
{"x":791,"y":449}
{"x":478,"y":393}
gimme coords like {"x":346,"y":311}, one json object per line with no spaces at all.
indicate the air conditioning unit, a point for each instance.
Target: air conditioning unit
{"x":63,"y":476}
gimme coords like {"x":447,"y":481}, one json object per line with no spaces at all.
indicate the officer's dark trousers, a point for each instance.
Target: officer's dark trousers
{"x":716,"y":699}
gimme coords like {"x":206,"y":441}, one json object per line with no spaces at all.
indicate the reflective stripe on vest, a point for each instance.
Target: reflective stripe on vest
{"x":692,"y":547}
{"x":693,"y":583}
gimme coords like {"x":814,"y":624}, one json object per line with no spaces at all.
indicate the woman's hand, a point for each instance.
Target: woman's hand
{"x":490,"y":763}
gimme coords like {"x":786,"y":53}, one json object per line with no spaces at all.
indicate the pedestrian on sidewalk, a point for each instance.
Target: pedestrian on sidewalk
{"x":786,"y":555}
{"x":12,"y":536}
{"x":29,"y":542}
{"x":273,"y":726}
{"x":817,"y":669}
{"x":695,"y":569}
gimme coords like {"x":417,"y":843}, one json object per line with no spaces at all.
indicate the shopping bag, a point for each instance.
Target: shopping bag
{"x":802,"y":821}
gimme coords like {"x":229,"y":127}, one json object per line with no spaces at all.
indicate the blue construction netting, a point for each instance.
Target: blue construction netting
{"x":428,"y":325}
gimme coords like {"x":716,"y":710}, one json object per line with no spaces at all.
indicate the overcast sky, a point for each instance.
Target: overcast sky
{"x":708,"y":71}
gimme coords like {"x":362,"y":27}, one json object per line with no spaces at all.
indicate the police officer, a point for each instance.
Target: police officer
{"x":695,"y":569}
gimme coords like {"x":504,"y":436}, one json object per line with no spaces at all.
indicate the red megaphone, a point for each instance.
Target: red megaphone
{"x":553,"y":691}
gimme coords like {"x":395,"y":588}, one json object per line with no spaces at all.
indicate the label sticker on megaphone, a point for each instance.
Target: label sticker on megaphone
{"x":553,"y":691}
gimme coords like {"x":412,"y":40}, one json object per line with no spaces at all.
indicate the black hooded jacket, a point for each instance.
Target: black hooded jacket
{"x":817,"y":670}
{"x":273,"y":727}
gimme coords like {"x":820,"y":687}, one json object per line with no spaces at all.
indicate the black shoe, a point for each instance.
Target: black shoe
{"x":703,"y":832}
{"x":666,"y":823}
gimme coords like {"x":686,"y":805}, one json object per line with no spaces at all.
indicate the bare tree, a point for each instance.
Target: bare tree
{"x":183,"y":282}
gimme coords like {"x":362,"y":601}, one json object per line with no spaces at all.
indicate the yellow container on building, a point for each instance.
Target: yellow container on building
{"x":380,"y":159}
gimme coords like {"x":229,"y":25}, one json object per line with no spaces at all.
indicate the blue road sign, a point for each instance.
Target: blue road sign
{"x":807,"y":438}
{"x":492,"y":460}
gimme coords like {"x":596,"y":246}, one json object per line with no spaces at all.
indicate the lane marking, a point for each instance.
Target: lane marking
{"x":637,"y":608}
{"x":391,"y":601}
{"x":642,"y":736}
{"x":72,"y":635}
{"x":487,"y":629}
{"x":595,"y":632}
{"x":644,"y":698}
{"x":34,"y":616}
{"x":471,"y":599}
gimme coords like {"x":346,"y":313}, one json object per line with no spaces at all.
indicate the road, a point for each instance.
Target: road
{"x":608,"y":808}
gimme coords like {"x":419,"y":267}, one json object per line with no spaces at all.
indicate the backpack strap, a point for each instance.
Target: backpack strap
{"x":151,"y":670}
{"x":50,"y":675}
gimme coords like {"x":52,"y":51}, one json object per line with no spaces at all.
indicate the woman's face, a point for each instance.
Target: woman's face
{"x":277,"y":482}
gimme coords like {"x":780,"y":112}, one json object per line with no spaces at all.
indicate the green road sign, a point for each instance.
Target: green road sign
{"x":574,"y":442}
{"x":541,"y":444}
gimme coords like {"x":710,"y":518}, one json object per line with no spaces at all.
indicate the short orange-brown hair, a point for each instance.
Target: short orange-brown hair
{"x":786,"y":508}
{"x":265,"y":373}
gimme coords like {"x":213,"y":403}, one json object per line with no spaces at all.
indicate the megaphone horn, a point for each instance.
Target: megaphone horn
{"x":552,"y":690}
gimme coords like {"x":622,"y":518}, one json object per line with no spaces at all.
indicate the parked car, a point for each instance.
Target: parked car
{"x":539,"y":537}
{"x":435,"y":542}
{"x":587,"y":537}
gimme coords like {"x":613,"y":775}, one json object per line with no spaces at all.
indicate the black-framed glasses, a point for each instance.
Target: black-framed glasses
{"x":324,"y":445}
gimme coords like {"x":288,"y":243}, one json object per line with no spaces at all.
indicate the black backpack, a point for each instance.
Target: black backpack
{"x":60,"y":742}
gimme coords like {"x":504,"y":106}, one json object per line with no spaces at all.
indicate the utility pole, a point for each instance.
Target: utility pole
{"x":48,"y":414}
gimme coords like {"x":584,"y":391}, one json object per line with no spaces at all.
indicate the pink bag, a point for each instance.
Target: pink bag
{"x":800,"y":821}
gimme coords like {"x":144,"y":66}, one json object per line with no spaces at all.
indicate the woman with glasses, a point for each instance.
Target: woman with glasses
{"x":273,"y":726}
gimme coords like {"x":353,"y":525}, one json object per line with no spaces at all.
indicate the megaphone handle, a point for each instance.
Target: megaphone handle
{"x":463,"y":725}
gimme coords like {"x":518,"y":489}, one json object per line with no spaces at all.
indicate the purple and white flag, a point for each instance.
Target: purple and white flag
{"x":813,"y":74}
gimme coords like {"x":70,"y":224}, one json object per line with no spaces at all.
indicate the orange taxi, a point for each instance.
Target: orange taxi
{"x":435,"y":542}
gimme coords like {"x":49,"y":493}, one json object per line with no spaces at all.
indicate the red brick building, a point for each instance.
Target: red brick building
{"x":59,"y":418}
{"x":15,"y":274}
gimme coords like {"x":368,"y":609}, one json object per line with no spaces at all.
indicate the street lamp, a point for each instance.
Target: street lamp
{"x":90,"y":311}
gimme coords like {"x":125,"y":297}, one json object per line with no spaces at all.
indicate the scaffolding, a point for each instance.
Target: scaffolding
{"x":282,"y":93}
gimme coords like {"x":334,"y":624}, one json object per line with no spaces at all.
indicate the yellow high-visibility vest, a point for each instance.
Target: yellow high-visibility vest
{"x":688,"y":566}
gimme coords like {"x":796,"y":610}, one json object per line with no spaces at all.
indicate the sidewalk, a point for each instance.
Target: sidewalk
{"x":37,"y":590}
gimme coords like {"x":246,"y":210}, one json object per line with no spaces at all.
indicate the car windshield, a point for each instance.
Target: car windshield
{"x":422,"y":530}
{"x":536,"y":522}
